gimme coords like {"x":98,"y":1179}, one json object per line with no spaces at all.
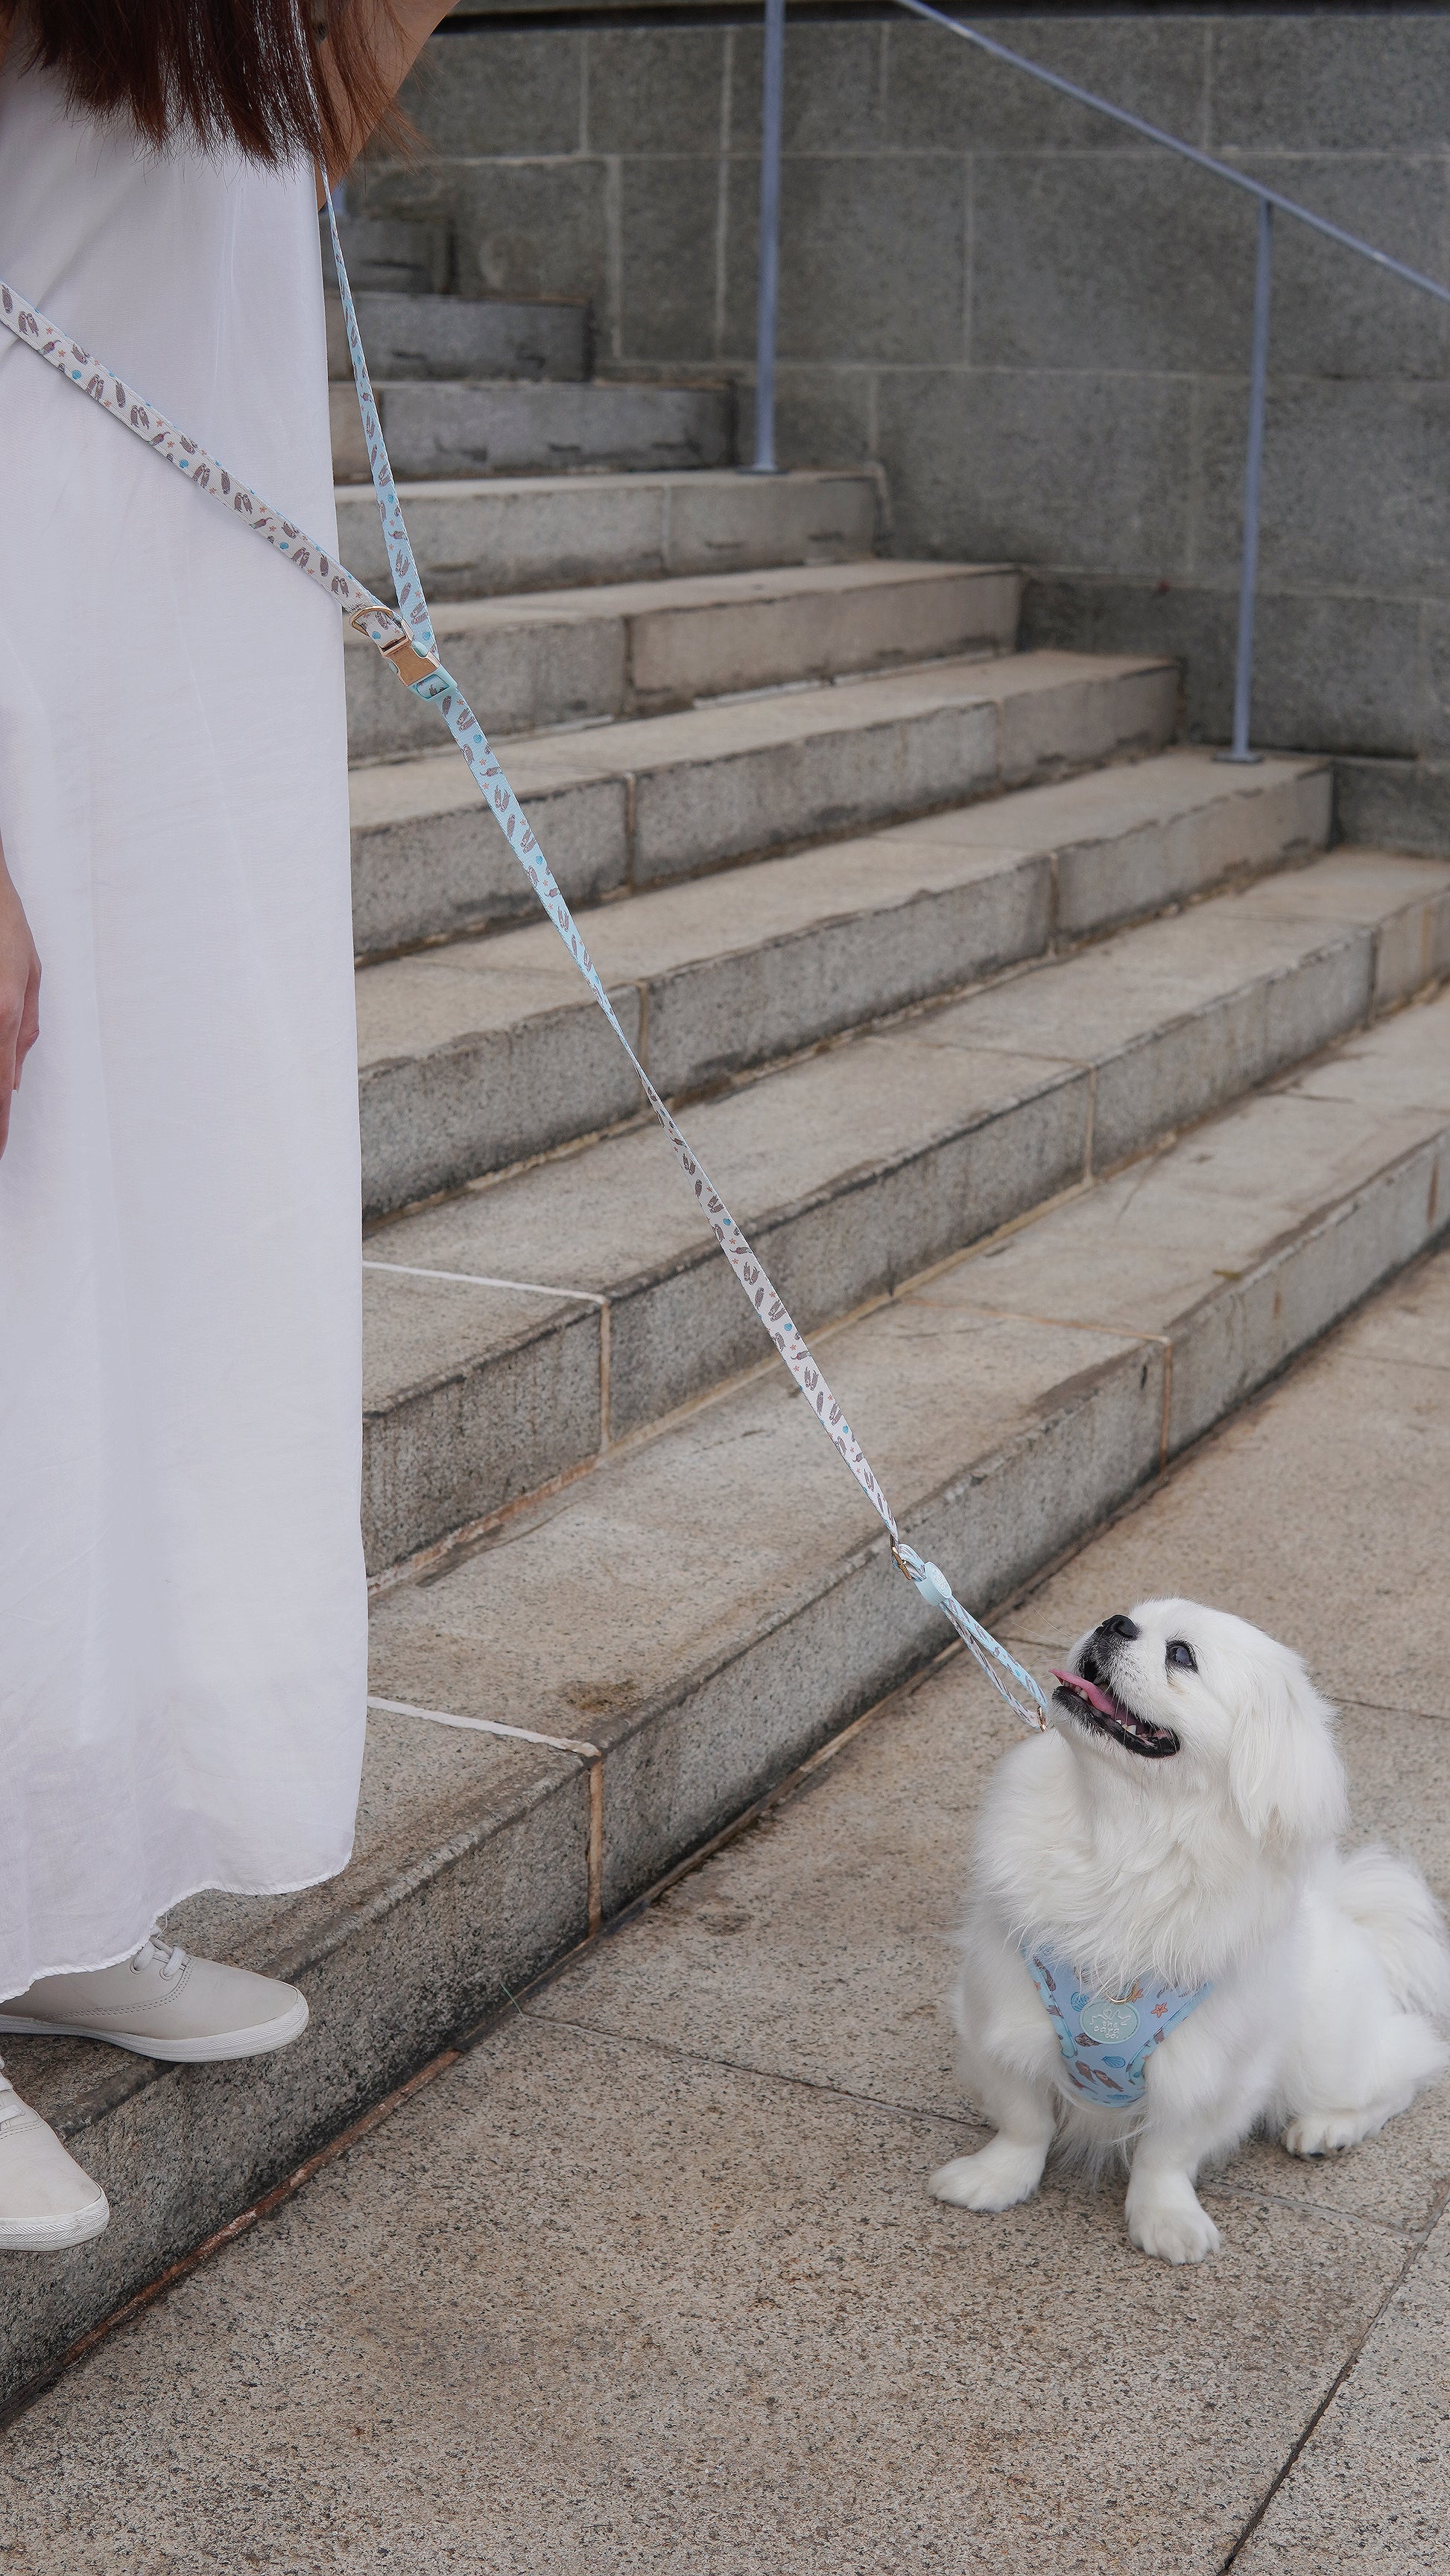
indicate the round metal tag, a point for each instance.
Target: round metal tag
{"x":1102,"y":2019}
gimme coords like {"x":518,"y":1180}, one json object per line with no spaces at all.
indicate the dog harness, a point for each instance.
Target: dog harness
{"x":1107,"y":2040}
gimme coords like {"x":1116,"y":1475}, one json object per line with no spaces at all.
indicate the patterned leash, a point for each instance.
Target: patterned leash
{"x":404,"y":636}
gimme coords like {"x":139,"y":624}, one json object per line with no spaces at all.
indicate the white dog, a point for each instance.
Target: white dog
{"x":1165,"y":1947}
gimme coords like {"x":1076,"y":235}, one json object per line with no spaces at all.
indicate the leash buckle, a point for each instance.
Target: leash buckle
{"x":400,"y":651}
{"x":407,"y":661}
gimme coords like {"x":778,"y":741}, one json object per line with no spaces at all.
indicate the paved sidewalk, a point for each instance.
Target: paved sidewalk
{"x":649,"y":2279}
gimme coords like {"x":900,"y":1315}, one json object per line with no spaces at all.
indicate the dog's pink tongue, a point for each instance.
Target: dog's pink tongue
{"x":1101,"y":1700}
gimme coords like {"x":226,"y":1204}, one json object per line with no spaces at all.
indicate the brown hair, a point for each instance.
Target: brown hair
{"x":245,"y":72}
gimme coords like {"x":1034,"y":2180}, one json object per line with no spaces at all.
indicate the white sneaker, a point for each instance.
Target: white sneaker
{"x":163,"y":2003}
{"x":46,"y":2202}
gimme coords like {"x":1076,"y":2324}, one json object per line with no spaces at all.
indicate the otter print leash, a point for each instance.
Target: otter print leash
{"x":404,"y":636}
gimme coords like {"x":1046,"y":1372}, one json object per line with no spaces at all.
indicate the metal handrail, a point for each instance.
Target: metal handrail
{"x":1270,"y":202}
{"x":773,"y":79}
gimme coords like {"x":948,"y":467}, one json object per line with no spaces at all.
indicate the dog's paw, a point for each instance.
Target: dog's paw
{"x":1176,"y":2231}
{"x":997,"y":2177}
{"x":1325,"y":2133}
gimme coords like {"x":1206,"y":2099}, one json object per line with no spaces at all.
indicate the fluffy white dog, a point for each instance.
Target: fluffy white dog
{"x":1165,"y":1946}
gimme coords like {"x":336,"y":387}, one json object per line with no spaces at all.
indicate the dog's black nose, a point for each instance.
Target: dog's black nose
{"x":1120,"y":1625}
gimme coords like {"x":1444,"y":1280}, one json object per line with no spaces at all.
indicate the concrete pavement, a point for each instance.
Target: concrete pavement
{"x":648,"y":2278}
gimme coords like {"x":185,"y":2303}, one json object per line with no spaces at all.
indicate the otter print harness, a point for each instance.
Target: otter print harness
{"x":404,"y":636}
{"x":1107,"y":2040}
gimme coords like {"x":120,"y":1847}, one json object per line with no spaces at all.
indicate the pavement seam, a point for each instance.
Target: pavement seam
{"x":1395,"y":1708}
{"x":965,"y":2119}
{"x":1401,"y":2227}
{"x":1396,"y":1360}
{"x":1341,"y":2377}
{"x":740,"y":2066}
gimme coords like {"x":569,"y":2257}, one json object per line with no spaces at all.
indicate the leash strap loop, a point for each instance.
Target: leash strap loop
{"x":404,"y":636}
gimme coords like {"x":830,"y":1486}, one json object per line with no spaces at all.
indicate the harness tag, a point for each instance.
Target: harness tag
{"x":1105,"y":2041}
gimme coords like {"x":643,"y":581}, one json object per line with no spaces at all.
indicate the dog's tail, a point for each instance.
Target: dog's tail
{"x":1390,"y":1901}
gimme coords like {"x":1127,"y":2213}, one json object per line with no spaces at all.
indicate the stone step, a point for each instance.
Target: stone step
{"x":623,"y":806}
{"x":428,"y":336}
{"x":476,"y":540}
{"x":708,"y":1609}
{"x":849,"y":1170}
{"x":389,"y":254}
{"x":561,"y":657}
{"x":479,"y":1054}
{"x":468,"y":429}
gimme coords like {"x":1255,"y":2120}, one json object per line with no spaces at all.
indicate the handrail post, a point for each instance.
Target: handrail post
{"x":769,"y":271}
{"x":1253,"y":465}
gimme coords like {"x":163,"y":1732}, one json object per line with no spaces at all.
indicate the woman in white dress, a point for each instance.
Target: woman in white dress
{"x":182,"y":1611}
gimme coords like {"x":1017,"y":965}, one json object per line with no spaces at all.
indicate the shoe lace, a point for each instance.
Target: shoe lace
{"x":168,"y":1956}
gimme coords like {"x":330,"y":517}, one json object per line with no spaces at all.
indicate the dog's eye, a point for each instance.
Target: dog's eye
{"x":1182,"y":1654}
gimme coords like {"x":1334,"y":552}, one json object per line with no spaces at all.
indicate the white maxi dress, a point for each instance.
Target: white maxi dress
{"x":182,"y":1609}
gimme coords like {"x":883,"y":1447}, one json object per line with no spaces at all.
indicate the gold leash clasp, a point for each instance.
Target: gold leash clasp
{"x":400,"y":651}
{"x":407,"y":661}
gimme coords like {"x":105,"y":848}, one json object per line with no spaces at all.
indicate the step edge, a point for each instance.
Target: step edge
{"x":1327,"y":942}
{"x":549,"y":740}
{"x":609,"y":482}
{"x":1286,"y":772}
{"x":1096,"y":669}
{"x":601,"y":603}
{"x":1294,"y":858}
{"x":389,"y":1417}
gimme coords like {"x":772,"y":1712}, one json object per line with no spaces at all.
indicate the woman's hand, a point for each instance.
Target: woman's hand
{"x":19,"y":995}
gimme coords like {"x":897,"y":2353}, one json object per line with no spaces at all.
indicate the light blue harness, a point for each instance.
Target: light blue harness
{"x":1107,"y":2040}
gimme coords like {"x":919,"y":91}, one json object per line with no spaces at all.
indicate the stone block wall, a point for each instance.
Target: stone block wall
{"x":1036,"y":323}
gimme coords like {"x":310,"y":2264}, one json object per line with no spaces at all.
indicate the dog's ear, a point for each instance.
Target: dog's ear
{"x":1284,"y":1772}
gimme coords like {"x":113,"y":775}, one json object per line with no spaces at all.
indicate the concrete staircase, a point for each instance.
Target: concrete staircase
{"x":1067,"y":1081}
{"x":488,"y":385}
